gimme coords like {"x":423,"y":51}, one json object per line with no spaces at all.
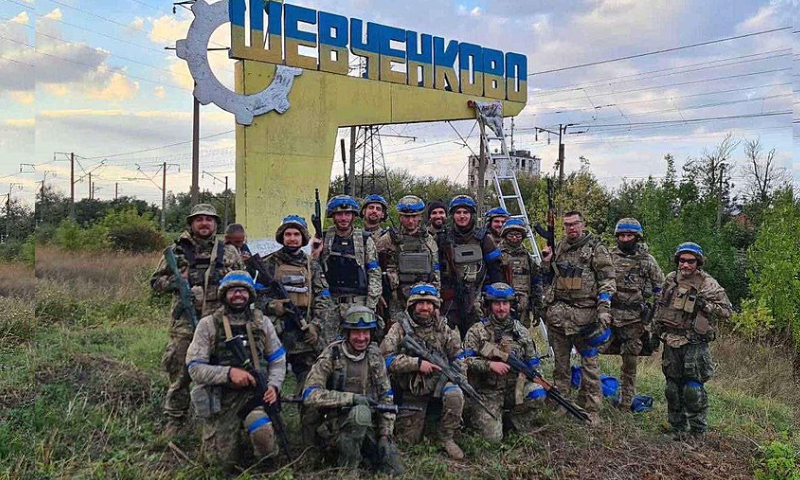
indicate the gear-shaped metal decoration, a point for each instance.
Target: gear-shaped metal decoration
{"x":208,"y":89}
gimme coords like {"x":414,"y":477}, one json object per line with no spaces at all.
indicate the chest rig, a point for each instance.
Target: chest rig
{"x":517,"y":270}
{"x":296,"y":279}
{"x":255,"y":340}
{"x":507,"y":340}
{"x":678,"y":308}
{"x":354,"y":374}
{"x":468,"y":257}
{"x":631,"y":281}
{"x":344,"y":263}
{"x":203,"y":269}
{"x":573,"y":277}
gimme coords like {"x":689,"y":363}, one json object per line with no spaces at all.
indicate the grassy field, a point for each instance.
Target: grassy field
{"x":85,"y":383}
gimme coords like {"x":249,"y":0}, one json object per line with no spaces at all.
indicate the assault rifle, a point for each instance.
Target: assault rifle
{"x":458,"y":286}
{"x":237,"y":348}
{"x":550,"y":233}
{"x":186,"y":304}
{"x":490,"y":351}
{"x":278,"y":290}
{"x":448,"y":371}
{"x":378,"y":407}
{"x":316,"y":219}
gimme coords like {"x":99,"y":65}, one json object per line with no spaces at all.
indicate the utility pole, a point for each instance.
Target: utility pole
{"x":72,"y":186}
{"x":352,"y":174}
{"x":346,"y":186}
{"x":227,"y":197}
{"x":116,"y":190}
{"x":195,"y":190}
{"x":561,"y":130}
{"x":91,"y":190}
{"x":164,"y":196}
{"x":481,"y":177}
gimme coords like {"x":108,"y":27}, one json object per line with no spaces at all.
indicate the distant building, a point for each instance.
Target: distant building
{"x":522,"y":162}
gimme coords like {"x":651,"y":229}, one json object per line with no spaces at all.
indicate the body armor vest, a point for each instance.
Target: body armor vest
{"x":432,"y":338}
{"x":573,"y":278}
{"x":414,"y":258}
{"x":508,"y":341}
{"x":678,"y":307}
{"x":468,"y":258}
{"x":221,"y":355}
{"x":355,"y":376}
{"x":518,"y":270}
{"x":630,"y":281}
{"x":296,"y":279}
{"x":345,"y":272}
{"x":198,"y":265}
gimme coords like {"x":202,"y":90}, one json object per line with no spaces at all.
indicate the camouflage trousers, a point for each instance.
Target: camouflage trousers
{"x":229,"y":440}
{"x":410,"y":426}
{"x":590,"y":394}
{"x":501,"y":403}
{"x":176,"y":401}
{"x":310,"y":418}
{"x":352,"y":436}
{"x":630,"y":339}
{"x":686,"y":369}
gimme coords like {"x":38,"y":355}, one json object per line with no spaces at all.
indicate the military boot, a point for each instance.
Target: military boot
{"x":174,"y":427}
{"x":452,"y":449}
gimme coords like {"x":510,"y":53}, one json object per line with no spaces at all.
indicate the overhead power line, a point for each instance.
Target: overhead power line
{"x":122,"y":154}
{"x":656,"y":52}
{"x":688,"y":120}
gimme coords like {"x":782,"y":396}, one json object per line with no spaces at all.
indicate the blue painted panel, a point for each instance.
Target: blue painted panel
{"x":329,"y":22}
{"x":295,"y":14}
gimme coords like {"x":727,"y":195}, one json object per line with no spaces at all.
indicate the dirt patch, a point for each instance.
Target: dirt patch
{"x":103,"y":380}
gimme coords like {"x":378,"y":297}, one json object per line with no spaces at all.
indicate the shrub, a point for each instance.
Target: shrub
{"x":778,"y":462}
{"x":70,"y":236}
{"x":129,"y":231}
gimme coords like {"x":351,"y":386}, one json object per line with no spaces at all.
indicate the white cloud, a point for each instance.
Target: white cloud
{"x":137,"y":23}
{"x":159,"y":92}
{"x":168,"y":29}
{"x":22,"y":18}
{"x":118,"y":88}
{"x":24,"y":98}
{"x":54,"y":15}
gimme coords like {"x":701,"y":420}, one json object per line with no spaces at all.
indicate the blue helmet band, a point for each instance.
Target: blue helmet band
{"x":424,"y":290}
{"x":295,"y":219}
{"x":493,"y":293}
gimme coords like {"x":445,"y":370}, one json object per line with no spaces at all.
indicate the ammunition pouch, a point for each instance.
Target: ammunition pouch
{"x":570,"y":276}
{"x":205,"y":400}
{"x":411,"y":265}
{"x":469,"y":253}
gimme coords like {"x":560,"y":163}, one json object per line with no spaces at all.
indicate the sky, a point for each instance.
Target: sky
{"x":94,"y":78}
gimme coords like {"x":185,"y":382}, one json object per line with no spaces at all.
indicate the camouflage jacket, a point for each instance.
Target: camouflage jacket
{"x":510,"y":336}
{"x":394,"y":244}
{"x":482,"y":269}
{"x":366,"y":256}
{"x":521,"y":272}
{"x":338,"y":375}
{"x":195,"y":254}
{"x":315,"y":302}
{"x":690,"y":308}
{"x":638,"y":280}
{"x":434,"y":335}
{"x":583,"y":274}
{"x":208,"y":360}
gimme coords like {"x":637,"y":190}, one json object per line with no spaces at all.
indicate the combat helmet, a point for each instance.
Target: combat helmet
{"x":423,"y":291}
{"x":496,"y":212}
{"x":462,"y":201}
{"x":410,"y":205}
{"x":341,"y":203}
{"x":514,"y":225}
{"x":693,"y":248}
{"x":237,"y":278}
{"x":498,"y":291}
{"x":203,"y":209}
{"x":293,"y":221}
{"x":629,"y":225}
{"x":359,"y":317}
{"x":375,"y":198}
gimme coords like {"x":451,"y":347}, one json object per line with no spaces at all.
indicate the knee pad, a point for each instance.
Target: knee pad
{"x":360,"y":416}
{"x":694,"y":395}
{"x":588,"y":352}
{"x":259,"y":428}
{"x":453,"y":397}
{"x":672,"y":391}
{"x":597,"y":338}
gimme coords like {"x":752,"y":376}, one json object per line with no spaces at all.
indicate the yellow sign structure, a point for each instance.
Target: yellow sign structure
{"x":281,"y":159}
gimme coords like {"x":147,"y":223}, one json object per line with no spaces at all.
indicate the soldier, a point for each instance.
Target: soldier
{"x":521,"y":272}
{"x":437,"y":216}
{"x":691,"y":305}
{"x":409,"y":256}
{"x":495,"y":219}
{"x":347,"y":378}
{"x":303,"y":281}
{"x":469,"y":258}
{"x":203,"y":261}
{"x":374,"y":211}
{"x":222,"y":388}
{"x":350,"y":262}
{"x":503,"y":392}
{"x":236,"y":236}
{"x":639,"y":280}
{"x":578,"y":305}
{"x":417,"y":380}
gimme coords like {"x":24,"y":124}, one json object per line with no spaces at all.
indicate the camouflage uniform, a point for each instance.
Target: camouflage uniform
{"x":639,"y":280}
{"x":578,"y":306}
{"x":375,"y":232}
{"x":407,"y":259}
{"x":511,"y":394}
{"x":207,"y":260}
{"x":337,"y":381}
{"x":417,"y":389}
{"x":687,"y":315}
{"x":523,"y":274}
{"x":476,"y":260}
{"x":217,"y":402}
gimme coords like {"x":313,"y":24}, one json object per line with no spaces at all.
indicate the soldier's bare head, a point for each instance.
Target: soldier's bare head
{"x":292,"y":238}
{"x":574,"y":224}
{"x":235,"y":235}
{"x":462,"y":217}
{"x":343,"y":220}
{"x":204,"y":226}
{"x":500,"y":309}
{"x":437,"y":216}
{"x":359,"y":339}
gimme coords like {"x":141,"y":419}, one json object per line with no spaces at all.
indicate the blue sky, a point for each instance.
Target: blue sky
{"x":103,"y":84}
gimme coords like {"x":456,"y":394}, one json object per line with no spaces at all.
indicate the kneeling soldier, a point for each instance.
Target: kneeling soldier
{"x":503,"y":391}
{"x":418,"y":380}
{"x":348,"y":377}
{"x":222,"y":388}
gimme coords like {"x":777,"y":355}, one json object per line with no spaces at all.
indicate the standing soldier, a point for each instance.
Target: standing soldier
{"x":350,"y":262}
{"x":203,"y":261}
{"x":579,"y":307}
{"x":469,"y":258}
{"x":689,"y":309}
{"x":222,"y":387}
{"x":502,"y":390}
{"x":374,"y":211}
{"x":347,"y":378}
{"x":437,"y":216}
{"x":303,"y":281}
{"x":521,"y":272}
{"x":639,"y":280}
{"x":419,"y":380}
{"x":236,"y":236}
{"x":409,"y":256}
{"x":495,"y":219}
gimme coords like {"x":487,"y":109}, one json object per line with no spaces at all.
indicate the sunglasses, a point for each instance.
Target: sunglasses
{"x":688,"y":261}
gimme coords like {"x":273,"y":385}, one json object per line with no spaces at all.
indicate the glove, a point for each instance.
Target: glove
{"x":312,"y":334}
{"x":279,"y":306}
{"x":362,"y":400}
{"x":702,"y":304}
